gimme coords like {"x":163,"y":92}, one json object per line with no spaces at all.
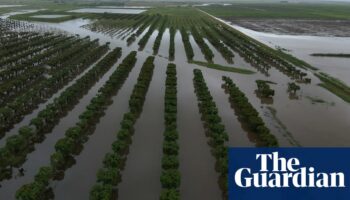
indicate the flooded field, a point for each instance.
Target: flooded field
{"x":303,"y":46}
{"x":49,"y":16}
{"x":311,"y":116}
{"x":325,"y":28}
{"x":108,"y":10}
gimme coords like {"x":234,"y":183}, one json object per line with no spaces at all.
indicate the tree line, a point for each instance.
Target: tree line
{"x":109,"y":176}
{"x":215,"y":130}
{"x":248,"y":114}
{"x":18,"y":146}
{"x":170,"y":176}
{"x":69,"y":146}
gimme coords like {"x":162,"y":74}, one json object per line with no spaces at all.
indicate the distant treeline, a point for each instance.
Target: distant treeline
{"x":342,"y":55}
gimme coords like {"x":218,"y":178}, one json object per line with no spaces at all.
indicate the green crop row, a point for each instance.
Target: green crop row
{"x":215,"y":130}
{"x":109,"y":176}
{"x":69,"y":146}
{"x":172,"y":43}
{"x":187,"y":44}
{"x":18,"y":146}
{"x":247,"y":114}
{"x":170,"y":177}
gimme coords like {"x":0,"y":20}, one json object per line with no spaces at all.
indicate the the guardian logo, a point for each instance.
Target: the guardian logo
{"x":279,"y":172}
{"x":289,"y":173}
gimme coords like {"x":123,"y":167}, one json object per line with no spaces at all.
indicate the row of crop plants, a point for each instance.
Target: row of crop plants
{"x":170,"y":176}
{"x":159,"y":37}
{"x":143,"y":41}
{"x":24,"y":77}
{"x":18,"y":146}
{"x":109,"y":176}
{"x":172,"y":31}
{"x":34,"y":58}
{"x":213,"y":39}
{"x":187,"y":44}
{"x":260,"y":56}
{"x":69,"y":146}
{"x":215,"y":130}
{"x":21,"y":52}
{"x":207,"y":52}
{"x":23,"y":104}
{"x":115,"y":24}
{"x":248,"y":115}
{"x":146,"y":21}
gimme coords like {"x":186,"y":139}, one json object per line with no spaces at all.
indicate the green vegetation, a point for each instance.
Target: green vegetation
{"x":293,"y":87}
{"x":66,"y":148}
{"x":264,"y":89}
{"x":29,"y":16}
{"x":335,"y":86}
{"x":18,"y":146}
{"x":247,"y":114}
{"x":213,"y":39}
{"x":143,"y":41}
{"x":222,"y":68}
{"x":340,"y":55}
{"x":113,"y":162}
{"x":187,"y":44}
{"x":207,"y":52}
{"x":214,"y":128}
{"x":172,"y":44}
{"x":159,"y":37}
{"x":281,"y":11}
{"x":35,"y":66}
{"x":170,"y":177}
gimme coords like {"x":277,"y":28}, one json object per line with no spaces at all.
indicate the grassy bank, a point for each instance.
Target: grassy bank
{"x":335,"y":86}
{"x":30,"y":16}
{"x":222,"y":68}
{"x":340,"y":55}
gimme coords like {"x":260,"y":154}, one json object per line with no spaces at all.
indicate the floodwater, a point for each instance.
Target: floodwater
{"x":49,"y":16}
{"x":143,"y":163}
{"x":198,"y":56}
{"x":98,"y":145}
{"x":125,"y":7}
{"x":108,"y":10}
{"x":164,"y":45}
{"x":7,"y":15}
{"x":296,"y":122}
{"x":41,"y":155}
{"x":303,"y":46}
{"x":10,"y":6}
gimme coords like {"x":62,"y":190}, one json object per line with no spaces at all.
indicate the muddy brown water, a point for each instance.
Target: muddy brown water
{"x":196,"y":50}
{"x":143,"y":164}
{"x":91,"y":158}
{"x":296,"y":123}
{"x":164,"y":45}
{"x":303,"y":46}
{"x":339,"y":28}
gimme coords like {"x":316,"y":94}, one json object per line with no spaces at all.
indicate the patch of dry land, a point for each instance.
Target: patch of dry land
{"x":337,"y":28}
